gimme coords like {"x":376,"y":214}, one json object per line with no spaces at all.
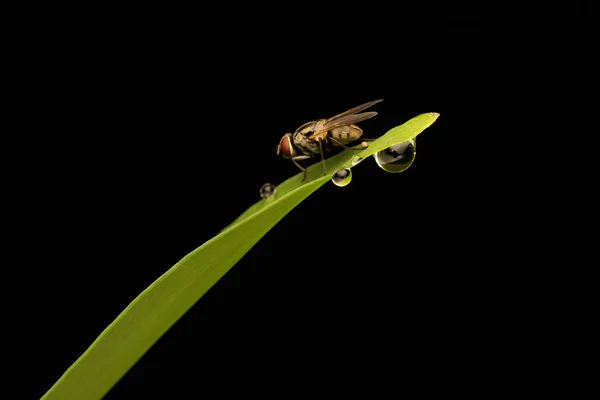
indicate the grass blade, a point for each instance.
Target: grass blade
{"x":158,"y":307}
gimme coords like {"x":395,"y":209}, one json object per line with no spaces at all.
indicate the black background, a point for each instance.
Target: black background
{"x":159,"y":145}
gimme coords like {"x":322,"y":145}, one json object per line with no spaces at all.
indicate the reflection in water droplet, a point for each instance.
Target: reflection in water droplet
{"x":342,"y":177}
{"x":356,"y":159}
{"x":397,"y":158}
{"x":267,"y":191}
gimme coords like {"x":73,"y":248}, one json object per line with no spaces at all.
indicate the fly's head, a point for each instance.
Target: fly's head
{"x":286,"y":147}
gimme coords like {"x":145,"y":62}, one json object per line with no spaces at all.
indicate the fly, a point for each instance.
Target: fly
{"x":307,"y":141}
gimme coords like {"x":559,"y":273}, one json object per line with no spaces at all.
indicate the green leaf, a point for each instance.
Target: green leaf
{"x":158,"y":307}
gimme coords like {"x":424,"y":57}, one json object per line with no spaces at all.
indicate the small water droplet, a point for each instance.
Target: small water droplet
{"x":267,"y":191}
{"x":355,"y":160}
{"x":342,"y":177}
{"x":398,"y":157}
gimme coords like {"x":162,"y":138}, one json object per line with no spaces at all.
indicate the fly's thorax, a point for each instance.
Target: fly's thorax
{"x":307,"y":128}
{"x":346,"y":134}
{"x":318,"y":127}
{"x":305,"y":145}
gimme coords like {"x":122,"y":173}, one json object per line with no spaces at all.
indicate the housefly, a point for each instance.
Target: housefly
{"x":309,"y":139}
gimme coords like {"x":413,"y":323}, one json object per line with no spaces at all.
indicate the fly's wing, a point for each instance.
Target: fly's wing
{"x":355,"y":110}
{"x":349,"y":117}
{"x":347,"y":120}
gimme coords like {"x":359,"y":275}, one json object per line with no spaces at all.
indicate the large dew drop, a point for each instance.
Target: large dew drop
{"x":397,"y":158}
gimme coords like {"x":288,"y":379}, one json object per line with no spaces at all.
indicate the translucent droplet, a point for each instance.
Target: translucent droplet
{"x":355,"y":160}
{"x":342,"y":177}
{"x":267,"y":191}
{"x":398,"y":157}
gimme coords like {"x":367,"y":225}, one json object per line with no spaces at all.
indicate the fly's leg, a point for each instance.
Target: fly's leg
{"x":300,"y":158}
{"x":322,"y":157}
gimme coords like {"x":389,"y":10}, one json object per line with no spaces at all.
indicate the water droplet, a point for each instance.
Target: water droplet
{"x":355,"y":160}
{"x":397,"y":158}
{"x":267,"y":191}
{"x":342,"y":177}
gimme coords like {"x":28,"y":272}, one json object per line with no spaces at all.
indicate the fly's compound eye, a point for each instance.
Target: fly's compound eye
{"x":285,"y":146}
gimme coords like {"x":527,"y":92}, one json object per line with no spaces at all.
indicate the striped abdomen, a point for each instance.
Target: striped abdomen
{"x":346,"y":134}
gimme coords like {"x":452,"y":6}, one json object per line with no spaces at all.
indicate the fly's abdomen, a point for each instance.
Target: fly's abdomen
{"x":346,"y":134}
